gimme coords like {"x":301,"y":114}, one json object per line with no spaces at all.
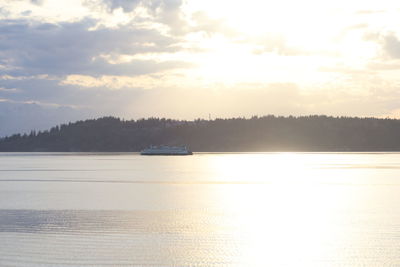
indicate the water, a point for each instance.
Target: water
{"x":273,"y":209}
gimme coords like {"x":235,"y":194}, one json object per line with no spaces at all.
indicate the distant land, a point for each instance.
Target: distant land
{"x":256,"y":134}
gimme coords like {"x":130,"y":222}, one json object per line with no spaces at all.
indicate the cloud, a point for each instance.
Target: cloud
{"x":244,"y":99}
{"x":391,"y":46}
{"x":39,"y":90}
{"x":26,"y":13}
{"x":388,"y":50}
{"x":77,"y":59}
{"x":256,"y":99}
{"x":22,"y":117}
{"x":29,"y":48}
{"x":347,"y":70}
{"x":53,"y":91}
{"x":111,"y":5}
{"x":169,"y":13}
{"x":166,"y":12}
{"x":277,"y":44}
{"x":155,"y":7}
{"x":352,"y":28}
{"x":201,"y":22}
{"x":382,"y":66}
{"x":35,"y":58}
{"x":118,"y":82}
{"x":369,"y":12}
{"x":37,"y":2}
{"x":9,"y":90}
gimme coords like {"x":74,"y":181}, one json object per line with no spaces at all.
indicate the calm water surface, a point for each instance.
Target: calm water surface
{"x":273,"y":209}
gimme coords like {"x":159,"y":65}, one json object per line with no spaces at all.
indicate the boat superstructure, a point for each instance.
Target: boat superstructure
{"x":166,"y":150}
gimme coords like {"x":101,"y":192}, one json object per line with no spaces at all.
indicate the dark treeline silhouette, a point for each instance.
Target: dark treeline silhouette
{"x":268,"y":133}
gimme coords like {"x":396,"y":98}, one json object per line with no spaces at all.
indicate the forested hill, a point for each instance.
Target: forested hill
{"x":269,"y":133}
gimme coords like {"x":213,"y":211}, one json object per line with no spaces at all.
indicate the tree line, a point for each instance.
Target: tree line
{"x":266,"y":133}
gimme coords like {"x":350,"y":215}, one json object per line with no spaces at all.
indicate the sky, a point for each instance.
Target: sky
{"x":62,"y":61}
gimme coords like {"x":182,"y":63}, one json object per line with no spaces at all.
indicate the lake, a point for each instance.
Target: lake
{"x":209,"y":209}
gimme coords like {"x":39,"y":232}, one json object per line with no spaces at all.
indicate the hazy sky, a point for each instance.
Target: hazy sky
{"x":77,"y":59}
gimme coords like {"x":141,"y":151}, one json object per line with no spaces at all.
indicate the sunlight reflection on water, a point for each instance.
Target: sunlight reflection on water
{"x":273,"y":209}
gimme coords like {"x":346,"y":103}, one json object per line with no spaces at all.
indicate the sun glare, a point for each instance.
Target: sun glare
{"x":277,"y":42}
{"x":280,"y":205}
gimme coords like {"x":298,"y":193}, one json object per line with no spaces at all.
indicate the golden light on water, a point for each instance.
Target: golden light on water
{"x":287,"y":209}
{"x":266,"y":209}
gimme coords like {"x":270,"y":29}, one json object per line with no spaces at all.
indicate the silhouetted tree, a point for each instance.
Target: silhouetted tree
{"x":268,"y":133}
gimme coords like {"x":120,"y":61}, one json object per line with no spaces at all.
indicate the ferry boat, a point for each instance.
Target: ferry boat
{"x":166,"y":150}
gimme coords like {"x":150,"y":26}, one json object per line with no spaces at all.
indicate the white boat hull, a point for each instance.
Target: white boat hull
{"x":166,"y":151}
